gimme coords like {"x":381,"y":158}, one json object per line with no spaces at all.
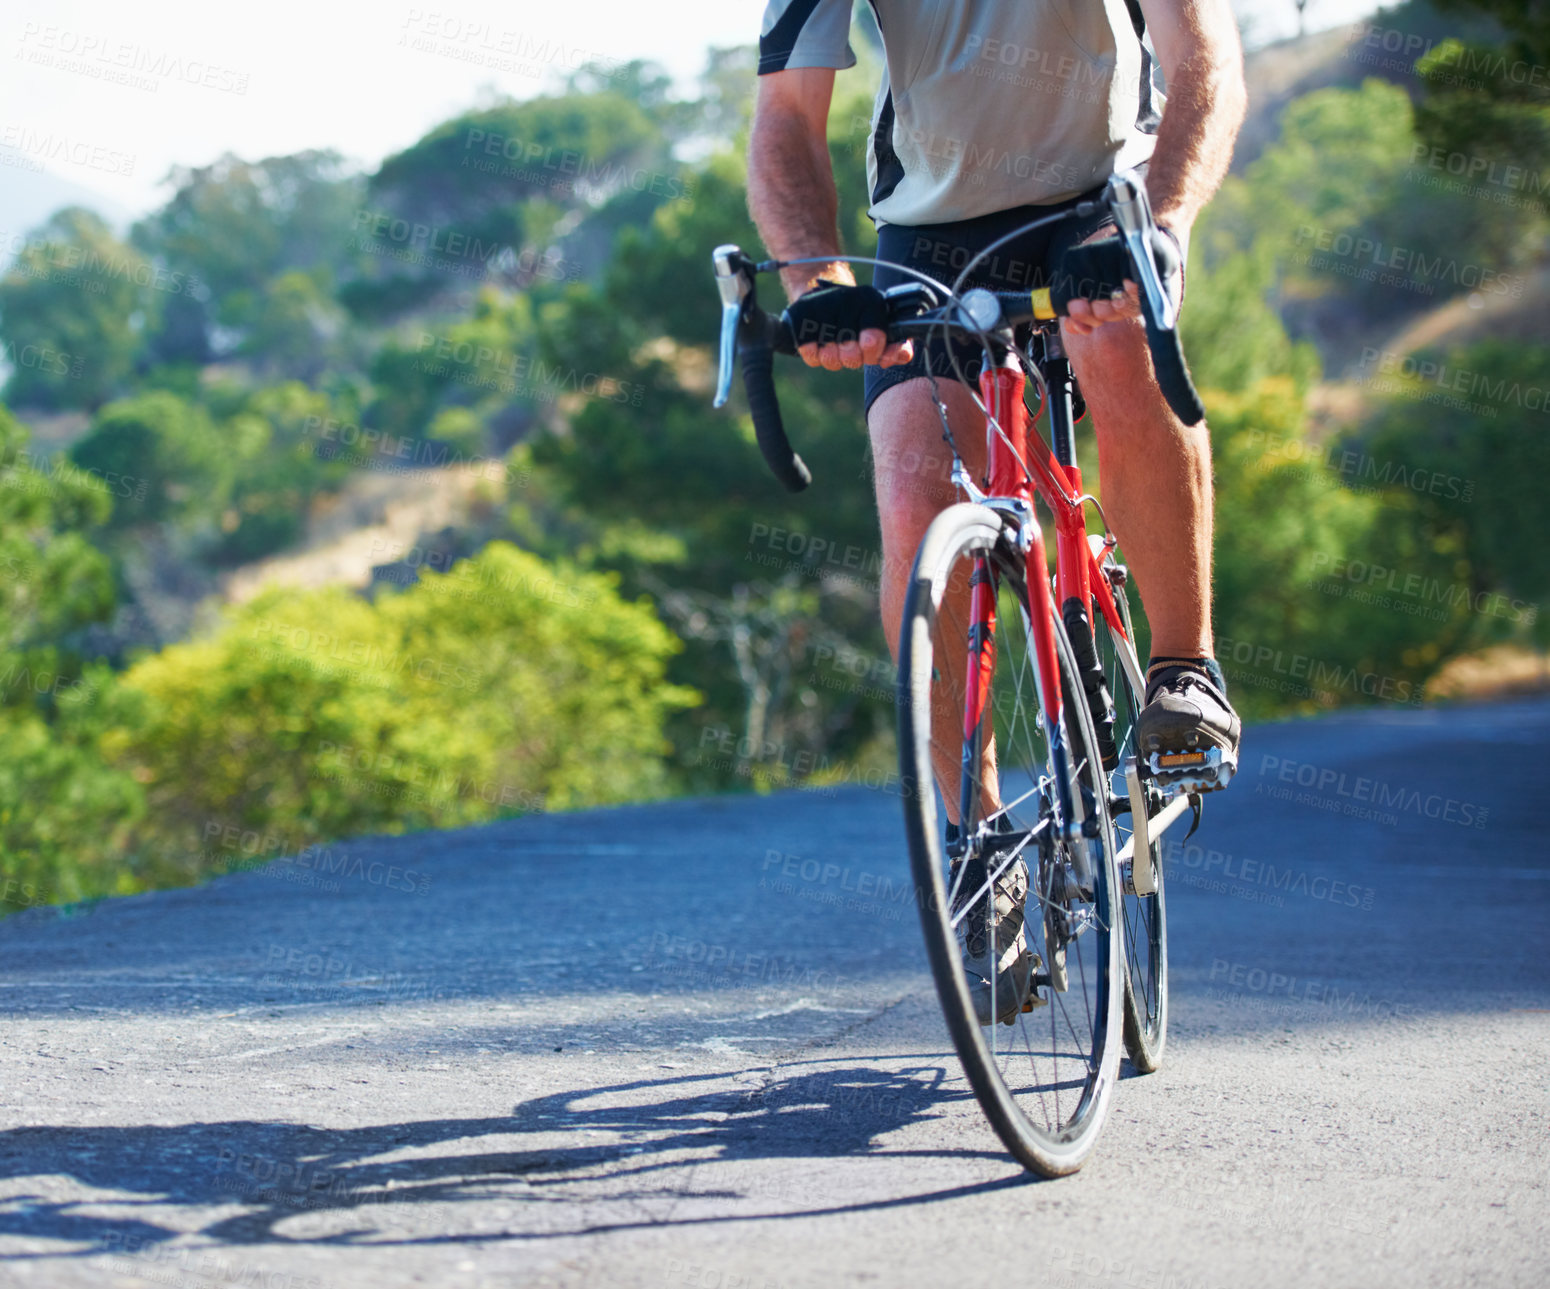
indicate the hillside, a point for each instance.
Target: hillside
{"x":328,"y":381}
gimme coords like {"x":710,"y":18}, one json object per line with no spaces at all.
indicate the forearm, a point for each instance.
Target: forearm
{"x":1206,"y":101}
{"x":792,"y":197}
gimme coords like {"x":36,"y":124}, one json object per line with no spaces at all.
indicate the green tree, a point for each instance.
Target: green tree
{"x":1295,"y":630}
{"x":288,"y":444}
{"x":65,"y":818}
{"x":53,"y":582}
{"x":293,"y":327}
{"x":1490,"y":100}
{"x":474,"y":173}
{"x":522,"y":194}
{"x":231,"y":228}
{"x":1465,"y":445}
{"x":70,"y":311}
{"x":1341,"y":230}
{"x":164,"y":455}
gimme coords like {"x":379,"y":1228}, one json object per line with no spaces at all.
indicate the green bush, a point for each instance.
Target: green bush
{"x":1295,"y":630}
{"x":164,"y":455}
{"x":500,"y":686}
{"x":65,"y":817}
{"x":1461,"y":436}
{"x":288,"y":444}
{"x":68,"y":313}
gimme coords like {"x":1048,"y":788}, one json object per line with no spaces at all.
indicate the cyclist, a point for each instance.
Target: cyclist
{"x":991,"y":113}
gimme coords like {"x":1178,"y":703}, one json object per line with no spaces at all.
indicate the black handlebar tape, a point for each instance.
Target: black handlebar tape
{"x":1172,"y":374}
{"x":759,"y":383}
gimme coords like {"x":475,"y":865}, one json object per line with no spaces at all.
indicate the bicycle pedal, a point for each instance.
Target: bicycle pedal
{"x":1059,"y":981}
{"x":1039,"y":977}
{"x":1195,"y":770}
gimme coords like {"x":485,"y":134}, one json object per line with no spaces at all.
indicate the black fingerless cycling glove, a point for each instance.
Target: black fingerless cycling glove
{"x":1096,"y":270}
{"x":832,"y":313}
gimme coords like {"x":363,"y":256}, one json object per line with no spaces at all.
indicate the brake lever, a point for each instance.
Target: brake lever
{"x":734,"y":280}
{"x":1133,"y":216}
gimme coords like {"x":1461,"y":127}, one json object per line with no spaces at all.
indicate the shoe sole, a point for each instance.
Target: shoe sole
{"x":1006,"y":987}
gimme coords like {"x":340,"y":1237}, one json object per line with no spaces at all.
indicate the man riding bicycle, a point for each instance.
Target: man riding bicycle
{"x":990,"y":114}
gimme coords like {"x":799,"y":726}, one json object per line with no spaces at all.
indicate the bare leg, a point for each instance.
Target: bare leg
{"x":913,"y":477}
{"x":1156,"y":478}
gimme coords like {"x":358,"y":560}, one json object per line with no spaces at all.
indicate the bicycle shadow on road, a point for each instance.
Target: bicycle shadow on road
{"x":672,"y":1162}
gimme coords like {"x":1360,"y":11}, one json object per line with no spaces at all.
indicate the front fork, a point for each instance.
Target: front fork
{"x":982,"y":667}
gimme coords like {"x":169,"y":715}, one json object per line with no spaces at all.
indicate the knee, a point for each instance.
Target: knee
{"x":913,"y":482}
{"x":1112,"y":357}
{"x":1114,"y":371}
{"x":905,"y":510}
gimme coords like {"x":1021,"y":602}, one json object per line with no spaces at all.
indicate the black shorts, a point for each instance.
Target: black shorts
{"x":941,"y":251}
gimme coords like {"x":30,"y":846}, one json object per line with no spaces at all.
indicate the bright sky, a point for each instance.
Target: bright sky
{"x":110,"y":93}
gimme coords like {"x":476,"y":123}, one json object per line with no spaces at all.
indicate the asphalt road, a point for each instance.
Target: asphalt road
{"x":693,"y":1044}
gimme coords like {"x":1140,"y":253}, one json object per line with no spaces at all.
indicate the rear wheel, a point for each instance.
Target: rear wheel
{"x":1143,"y":917}
{"x":1044,"y":1077}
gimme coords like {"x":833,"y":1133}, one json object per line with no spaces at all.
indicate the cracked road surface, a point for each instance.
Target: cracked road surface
{"x":694,"y":1044}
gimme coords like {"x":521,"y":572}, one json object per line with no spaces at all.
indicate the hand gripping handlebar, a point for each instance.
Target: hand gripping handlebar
{"x":753,"y":336}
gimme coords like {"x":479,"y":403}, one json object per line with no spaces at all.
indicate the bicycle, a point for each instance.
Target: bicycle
{"x":1028,"y":712}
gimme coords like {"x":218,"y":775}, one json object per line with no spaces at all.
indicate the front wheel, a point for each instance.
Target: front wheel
{"x":1044,"y":1062}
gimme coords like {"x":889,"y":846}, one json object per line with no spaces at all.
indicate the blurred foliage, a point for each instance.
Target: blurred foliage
{"x":1295,"y":629}
{"x":72,"y":310}
{"x":167,"y":452}
{"x":488,"y":193}
{"x":240,"y":233}
{"x":64,"y":814}
{"x":631,"y":606}
{"x":503,"y":686}
{"x":292,"y":327}
{"x":52,"y":579}
{"x":1491,"y":99}
{"x":1343,"y":229}
{"x":65,"y":817}
{"x":1468,"y":429}
{"x":1456,"y":439}
{"x":286,"y":441}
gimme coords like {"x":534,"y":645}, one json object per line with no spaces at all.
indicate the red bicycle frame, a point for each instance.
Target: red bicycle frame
{"x":1016,"y":469}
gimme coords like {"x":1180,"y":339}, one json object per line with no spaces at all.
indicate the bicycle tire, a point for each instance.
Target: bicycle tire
{"x":1049,"y":1144}
{"x":1144,"y":917}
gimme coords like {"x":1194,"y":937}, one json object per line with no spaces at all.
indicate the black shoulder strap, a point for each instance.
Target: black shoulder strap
{"x":1147,"y":119}
{"x":1137,"y":19}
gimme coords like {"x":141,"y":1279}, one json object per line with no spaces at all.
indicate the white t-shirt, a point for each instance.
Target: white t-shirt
{"x":985,"y":104}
